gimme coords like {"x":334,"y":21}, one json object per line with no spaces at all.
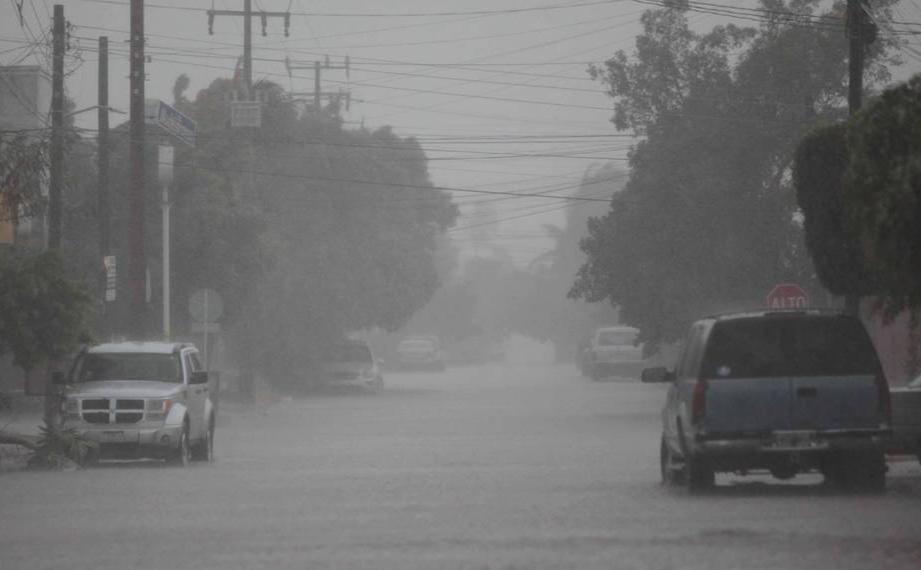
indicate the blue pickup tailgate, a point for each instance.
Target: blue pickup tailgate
{"x":836,"y":403}
{"x":820,"y":403}
{"x":791,"y":372}
{"x":748,"y":405}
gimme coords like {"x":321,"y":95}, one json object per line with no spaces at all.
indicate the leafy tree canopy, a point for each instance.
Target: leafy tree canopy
{"x":883,"y":191}
{"x":819,"y":169}
{"x":541,"y":309}
{"x":707,"y":220}
{"x":43,"y":314}
{"x":319,"y":229}
{"x":23,"y":170}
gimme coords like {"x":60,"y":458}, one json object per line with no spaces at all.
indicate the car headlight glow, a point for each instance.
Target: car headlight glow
{"x":158,"y":409}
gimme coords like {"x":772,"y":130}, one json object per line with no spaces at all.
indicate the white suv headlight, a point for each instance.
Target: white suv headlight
{"x":158,"y":409}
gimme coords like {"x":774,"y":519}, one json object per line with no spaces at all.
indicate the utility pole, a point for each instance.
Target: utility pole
{"x":56,"y":182}
{"x":248,"y":49}
{"x":247,"y":14}
{"x":860,"y":33}
{"x":137,"y":257}
{"x":247,"y":116}
{"x":856,"y":46}
{"x":102,"y":187}
{"x":318,"y":67}
{"x":317,"y":86}
{"x":57,"y":130}
{"x":102,"y":192}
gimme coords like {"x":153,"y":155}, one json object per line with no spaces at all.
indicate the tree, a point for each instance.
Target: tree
{"x":883,"y":192}
{"x":308,"y":229}
{"x":708,"y":219}
{"x":819,"y":169}
{"x":24,"y":164}
{"x":216,"y":239}
{"x":43,"y":314}
{"x":542,"y":310}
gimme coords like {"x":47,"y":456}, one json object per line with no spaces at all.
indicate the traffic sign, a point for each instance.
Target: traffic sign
{"x":165,"y":164}
{"x":206,"y":306}
{"x":171,"y":121}
{"x":245,"y":114}
{"x":211,"y":328}
{"x":787,"y":296}
{"x":111,"y":282}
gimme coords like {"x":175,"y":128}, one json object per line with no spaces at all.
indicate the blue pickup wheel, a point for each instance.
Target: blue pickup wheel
{"x":668,"y":467}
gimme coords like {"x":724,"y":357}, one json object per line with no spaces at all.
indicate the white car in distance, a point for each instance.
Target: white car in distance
{"x":614,"y":351}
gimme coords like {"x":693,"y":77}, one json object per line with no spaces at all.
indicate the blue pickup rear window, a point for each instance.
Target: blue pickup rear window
{"x":789,"y":346}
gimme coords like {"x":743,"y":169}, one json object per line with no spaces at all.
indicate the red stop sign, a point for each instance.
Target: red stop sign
{"x":787,"y":296}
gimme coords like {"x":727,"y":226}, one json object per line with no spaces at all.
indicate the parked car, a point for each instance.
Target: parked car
{"x":421,"y":352}
{"x":786,"y":392}
{"x":351,"y":363}
{"x":613,"y":351}
{"x":906,"y":419}
{"x":141,"y":399}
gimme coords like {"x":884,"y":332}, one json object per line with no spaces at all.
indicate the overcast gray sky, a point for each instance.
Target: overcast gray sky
{"x":459,"y":75}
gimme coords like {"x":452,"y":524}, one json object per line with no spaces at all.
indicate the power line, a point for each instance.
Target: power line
{"x":518,"y":217}
{"x":289,"y":141}
{"x":279,"y":174}
{"x":504,"y":11}
{"x":425,"y":91}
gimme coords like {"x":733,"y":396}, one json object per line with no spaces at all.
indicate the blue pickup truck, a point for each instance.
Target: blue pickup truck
{"x":785,"y":392}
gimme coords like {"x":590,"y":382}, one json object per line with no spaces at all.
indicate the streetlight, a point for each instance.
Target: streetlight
{"x":165,"y":175}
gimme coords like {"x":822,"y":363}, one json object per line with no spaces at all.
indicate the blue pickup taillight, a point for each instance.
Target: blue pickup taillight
{"x":699,"y":401}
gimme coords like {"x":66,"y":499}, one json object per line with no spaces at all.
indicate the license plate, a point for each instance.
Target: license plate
{"x":798,"y":440}
{"x":113,"y":435}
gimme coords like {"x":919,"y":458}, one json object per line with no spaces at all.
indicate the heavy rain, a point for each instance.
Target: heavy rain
{"x":443,"y":284}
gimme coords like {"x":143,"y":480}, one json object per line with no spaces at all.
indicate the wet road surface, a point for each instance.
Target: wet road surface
{"x":500,"y":467}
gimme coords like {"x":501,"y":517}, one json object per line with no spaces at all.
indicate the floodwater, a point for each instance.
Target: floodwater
{"x":501,"y":467}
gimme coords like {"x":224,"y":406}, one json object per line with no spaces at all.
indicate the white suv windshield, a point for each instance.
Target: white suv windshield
{"x":417,"y":345}
{"x":93,"y":367}
{"x":351,"y":353}
{"x":616,"y":338}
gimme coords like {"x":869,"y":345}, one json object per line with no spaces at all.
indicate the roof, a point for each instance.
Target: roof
{"x":618,"y":328}
{"x":351,"y":342}
{"x":133,"y":347}
{"x":433,"y":337}
{"x":777,"y":313}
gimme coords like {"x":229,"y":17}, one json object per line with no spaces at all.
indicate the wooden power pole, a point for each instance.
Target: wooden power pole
{"x":137,"y":257}
{"x":860,"y":33}
{"x":56,"y":175}
{"x":318,"y":94}
{"x":247,"y":15}
{"x":106,"y":288}
{"x":856,"y":47}
{"x":102,"y":192}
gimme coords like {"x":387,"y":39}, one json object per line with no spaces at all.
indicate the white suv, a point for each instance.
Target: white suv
{"x":142,"y":399}
{"x":614,"y":351}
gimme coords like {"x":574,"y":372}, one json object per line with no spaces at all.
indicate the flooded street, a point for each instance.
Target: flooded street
{"x":497,"y":467}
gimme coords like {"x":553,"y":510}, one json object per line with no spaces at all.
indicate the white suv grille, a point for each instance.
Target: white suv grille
{"x":112,"y":411}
